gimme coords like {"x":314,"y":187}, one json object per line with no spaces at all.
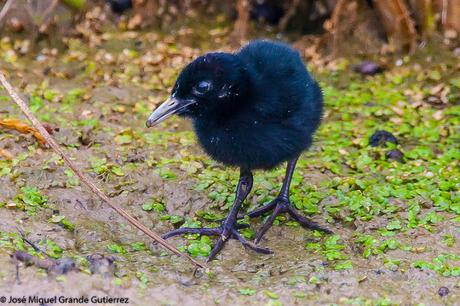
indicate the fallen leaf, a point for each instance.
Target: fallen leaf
{"x":438,"y":115}
{"x":18,"y":125}
{"x":5,"y":154}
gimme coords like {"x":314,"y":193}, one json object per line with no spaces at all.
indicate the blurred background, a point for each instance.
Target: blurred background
{"x":345,"y":27}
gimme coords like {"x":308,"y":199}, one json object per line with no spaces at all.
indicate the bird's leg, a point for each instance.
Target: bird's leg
{"x":229,"y":227}
{"x":281,"y":204}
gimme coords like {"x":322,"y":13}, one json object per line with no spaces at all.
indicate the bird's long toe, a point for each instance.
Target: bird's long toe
{"x":228,"y":233}
{"x":268,"y":223}
{"x":215,"y":231}
{"x":261,"y":210}
{"x":284,"y":206}
{"x":305,"y":222}
{"x":224,"y":232}
{"x":217,"y":248}
{"x":250,"y":245}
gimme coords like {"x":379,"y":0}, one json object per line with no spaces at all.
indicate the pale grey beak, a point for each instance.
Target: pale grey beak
{"x":168,"y":108}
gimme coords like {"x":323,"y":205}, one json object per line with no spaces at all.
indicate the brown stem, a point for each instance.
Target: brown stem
{"x":288,"y":15}
{"x":240,"y":30}
{"x":5,"y":10}
{"x":397,"y":22}
{"x":339,"y":7}
{"x":85,"y":179}
{"x":45,"y":22}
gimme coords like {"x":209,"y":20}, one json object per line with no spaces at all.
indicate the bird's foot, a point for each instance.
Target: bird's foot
{"x":278,"y":206}
{"x":229,"y":229}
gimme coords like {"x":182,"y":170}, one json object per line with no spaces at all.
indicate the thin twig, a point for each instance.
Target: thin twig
{"x":5,"y":10}
{"x":18,"y":278}
{"x":33,"y":245}
{"x":336,"y":14}
{"x":405,"y":14}
{"x":444,"y":12}
{"x":240,"y":30}
{"x":291,"y":11}
{"x":85,"y":179}
{"x":44,"y":23}
{"x":36,"y":248}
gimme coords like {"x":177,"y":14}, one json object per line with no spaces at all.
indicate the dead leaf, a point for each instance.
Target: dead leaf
{"x":438,"y":115}
{"x":397,"y":110}
{"x":5,"y":154}
{"x":18,"y":125}
{"x":135,"y":22}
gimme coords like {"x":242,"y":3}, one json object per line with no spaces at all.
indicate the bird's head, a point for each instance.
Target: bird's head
{"x":212,"y":84}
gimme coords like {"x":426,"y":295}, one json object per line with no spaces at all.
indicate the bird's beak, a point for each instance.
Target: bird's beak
{"x":168,"y":108}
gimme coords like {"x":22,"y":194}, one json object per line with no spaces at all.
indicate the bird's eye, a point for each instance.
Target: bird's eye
{"x":202,"y":87}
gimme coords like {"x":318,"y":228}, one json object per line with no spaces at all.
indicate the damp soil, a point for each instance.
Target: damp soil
{"x":120,"y":83}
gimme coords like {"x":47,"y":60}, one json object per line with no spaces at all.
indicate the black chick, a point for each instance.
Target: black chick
{"x":252,"y":109}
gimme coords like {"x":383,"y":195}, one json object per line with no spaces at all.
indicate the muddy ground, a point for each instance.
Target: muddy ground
{"x":396,"y":223}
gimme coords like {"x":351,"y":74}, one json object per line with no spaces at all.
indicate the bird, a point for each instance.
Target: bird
{"x":252,"y":109}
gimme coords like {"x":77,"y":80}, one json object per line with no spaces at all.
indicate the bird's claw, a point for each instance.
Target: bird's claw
{"x":224,"y":232}
{"x":278,"y":206}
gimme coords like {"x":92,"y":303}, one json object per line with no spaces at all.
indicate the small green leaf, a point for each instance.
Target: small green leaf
{"x":115,"y":248}
{"x":271,"y":294}
{"x":246,"y":291}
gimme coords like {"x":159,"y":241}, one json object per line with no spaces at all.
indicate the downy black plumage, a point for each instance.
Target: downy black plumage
{"x":252,"y":109}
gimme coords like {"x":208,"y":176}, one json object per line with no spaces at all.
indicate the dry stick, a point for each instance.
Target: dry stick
{"x":444,"y":12}
{"x":405,"y":16}
{"x":85,"y":179}
{"x":336,"y":13}
{"x":290,"y":12}
{"x":47,"y":15}
{"x":5,"y":10}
